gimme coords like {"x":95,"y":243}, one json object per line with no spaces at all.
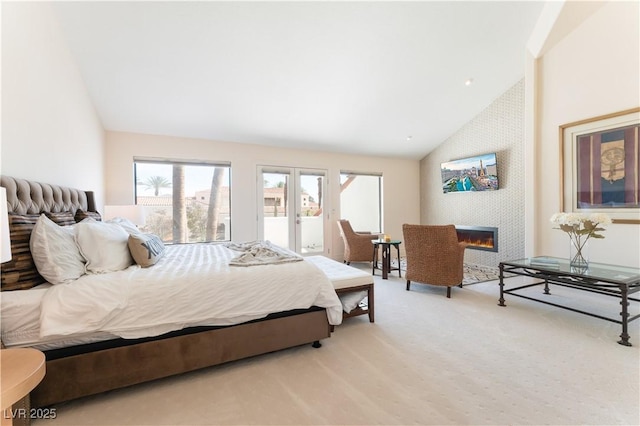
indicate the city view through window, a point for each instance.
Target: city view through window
{"x":190,"y":202}
{"x":184,"y":202}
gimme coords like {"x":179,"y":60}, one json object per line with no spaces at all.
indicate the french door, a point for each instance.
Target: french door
{"x":291,"y":208}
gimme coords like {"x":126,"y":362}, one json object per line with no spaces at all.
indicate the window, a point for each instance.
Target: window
{"x":184,"y":201}
{"x":361,"y":200}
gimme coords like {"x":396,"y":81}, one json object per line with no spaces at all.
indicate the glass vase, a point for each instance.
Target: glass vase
{"x":579,"y":254}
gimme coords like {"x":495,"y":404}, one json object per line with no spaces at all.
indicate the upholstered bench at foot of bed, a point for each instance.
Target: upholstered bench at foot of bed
{"x":348,"y":280}
{"x":362,"y":308}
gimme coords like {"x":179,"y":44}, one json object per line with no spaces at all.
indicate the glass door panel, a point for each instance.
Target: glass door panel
{"x":311,"y":218}
{"x":291,"y":203}
{"x":276,"y":208}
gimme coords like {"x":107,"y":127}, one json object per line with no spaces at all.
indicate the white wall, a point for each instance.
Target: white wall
{"x":400,"y":177}
{"x":498,"y":128}
{"x":593,"y":71}
{"x":50,"y":130}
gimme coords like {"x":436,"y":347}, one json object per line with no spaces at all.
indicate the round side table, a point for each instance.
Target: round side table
{"x":386,"y":256}
{"x":21,"y":369}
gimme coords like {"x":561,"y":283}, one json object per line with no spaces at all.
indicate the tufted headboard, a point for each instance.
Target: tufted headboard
{"x":26,"y":200}
{"x":28,"y":197}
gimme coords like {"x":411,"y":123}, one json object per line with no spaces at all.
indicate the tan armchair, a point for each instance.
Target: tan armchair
{"x":357,"y":245}
{"x":434,"y":255}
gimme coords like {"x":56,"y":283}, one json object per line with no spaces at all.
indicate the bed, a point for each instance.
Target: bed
{"x":110,"y":354}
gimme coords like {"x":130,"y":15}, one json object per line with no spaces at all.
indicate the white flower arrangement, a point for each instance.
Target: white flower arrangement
{"x":574,"y":222}
{"x":580,"y":228}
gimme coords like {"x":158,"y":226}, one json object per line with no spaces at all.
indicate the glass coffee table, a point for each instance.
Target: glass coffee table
{"x":609,"y":280}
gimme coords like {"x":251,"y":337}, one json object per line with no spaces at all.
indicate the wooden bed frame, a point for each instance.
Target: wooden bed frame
{"x":98,"y":371}
{"x":98,"y":368}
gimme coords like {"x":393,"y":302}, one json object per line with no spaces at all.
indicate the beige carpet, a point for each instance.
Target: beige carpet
{"x":426,"y":360}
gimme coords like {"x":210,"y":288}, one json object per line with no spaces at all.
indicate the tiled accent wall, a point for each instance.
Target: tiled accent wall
{"x":500,"y":129}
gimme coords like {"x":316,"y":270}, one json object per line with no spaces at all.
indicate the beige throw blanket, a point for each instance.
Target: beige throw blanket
{"x":261,"y":253}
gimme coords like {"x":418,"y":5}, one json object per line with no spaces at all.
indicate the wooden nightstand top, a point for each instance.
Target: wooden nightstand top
{"x":21,"y":369}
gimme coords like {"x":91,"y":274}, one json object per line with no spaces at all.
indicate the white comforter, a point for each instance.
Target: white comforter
{"x":191,"y":285}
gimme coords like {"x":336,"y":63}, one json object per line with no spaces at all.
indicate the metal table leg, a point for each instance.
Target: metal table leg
{"x":625,"y":316}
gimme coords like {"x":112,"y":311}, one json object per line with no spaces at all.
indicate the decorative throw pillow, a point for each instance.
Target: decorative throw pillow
{"x":146,"y":249}
{"x":61,"y":218}
{"x":103,"y":245}
{"x":20,"y":272}
{"x":55,"y":252}
{"x":82,"y":215}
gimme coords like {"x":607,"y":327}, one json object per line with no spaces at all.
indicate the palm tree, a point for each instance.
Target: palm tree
{"x":285,"y":188}
{"x":214,"y":204}
{"x":156,"y":183}
{"x":319,"y":211}
{"x":179,"y":205}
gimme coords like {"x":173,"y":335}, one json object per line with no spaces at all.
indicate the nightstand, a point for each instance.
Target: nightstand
{"x":21,"y":369}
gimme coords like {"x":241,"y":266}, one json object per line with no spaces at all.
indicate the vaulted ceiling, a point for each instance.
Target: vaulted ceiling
{"x":376,"y":78}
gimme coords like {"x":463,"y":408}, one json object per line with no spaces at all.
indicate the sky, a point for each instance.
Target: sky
{"x":198,"y":178}
{"x":467,"y":163}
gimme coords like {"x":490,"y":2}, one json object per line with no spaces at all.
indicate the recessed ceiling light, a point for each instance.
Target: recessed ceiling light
{"x":468,"y":82}
{"x":409,"y":138}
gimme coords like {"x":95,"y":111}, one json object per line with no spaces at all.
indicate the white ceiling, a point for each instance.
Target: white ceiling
{"x":356,"y":77}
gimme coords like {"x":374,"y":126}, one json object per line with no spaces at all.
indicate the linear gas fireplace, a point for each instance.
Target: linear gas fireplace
{"x":479,"y":237}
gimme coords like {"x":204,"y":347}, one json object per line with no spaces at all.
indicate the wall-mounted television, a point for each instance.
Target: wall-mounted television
{"x":479,"y":173}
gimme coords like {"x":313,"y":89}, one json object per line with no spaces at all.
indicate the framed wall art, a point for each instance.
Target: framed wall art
{"x":600,"y":166}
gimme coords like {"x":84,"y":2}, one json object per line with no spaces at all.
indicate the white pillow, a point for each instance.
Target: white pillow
{"x":55,"y":252}
{"x":128,"y":226}
{"x":103,"y":245}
